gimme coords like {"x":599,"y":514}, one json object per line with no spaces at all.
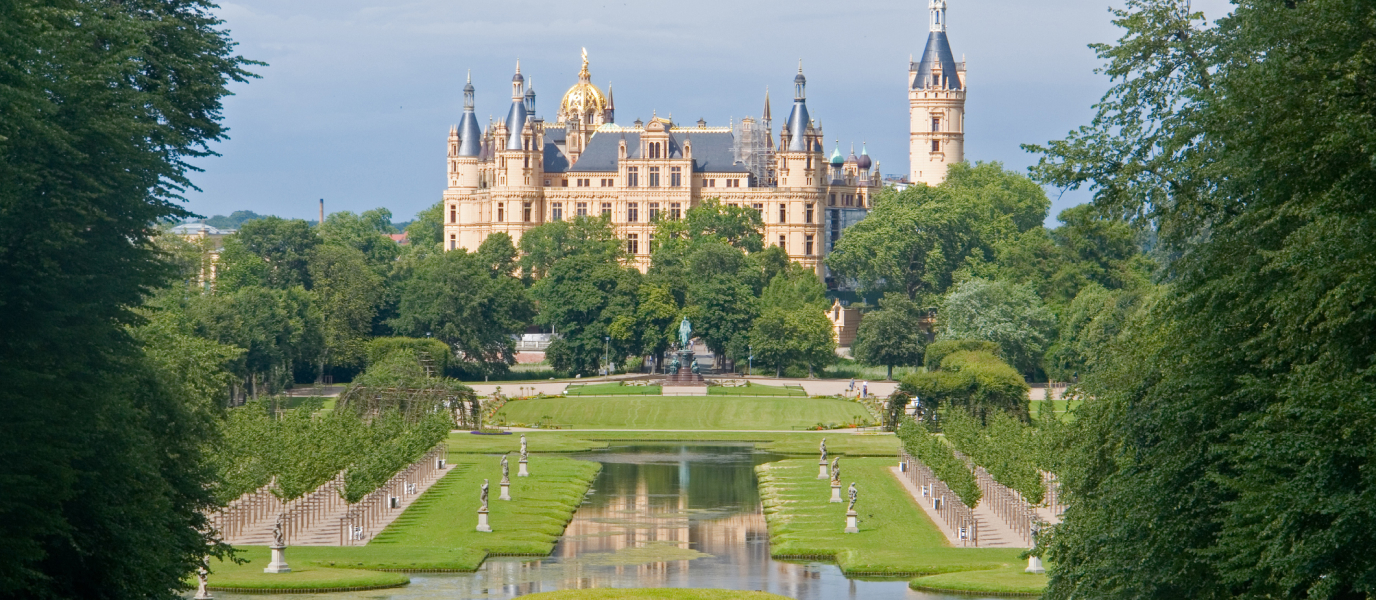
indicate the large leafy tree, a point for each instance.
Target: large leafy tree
{"x":1228,"y":452}
{"x":268,"y":252}
{"x":368,"y":233}
{"x":919,"y":240}
{"x":792,"y":327}
{"x":720,"y":300}
{"x":1087,"y":249}
{"x":892,"y":335}
{"x":103,"y":104}
{"x":1010,"y":315}
{"x":347,"y":293}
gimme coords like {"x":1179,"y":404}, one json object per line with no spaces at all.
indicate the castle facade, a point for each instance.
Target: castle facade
{"x":521,"y":172}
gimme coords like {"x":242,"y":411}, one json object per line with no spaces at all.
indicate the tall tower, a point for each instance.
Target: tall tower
{"x":936,"y":105}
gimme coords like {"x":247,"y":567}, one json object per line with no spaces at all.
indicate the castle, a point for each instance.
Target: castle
{"x":521,"y":172}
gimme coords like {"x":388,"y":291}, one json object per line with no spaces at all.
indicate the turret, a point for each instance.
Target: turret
{"x":800,"y":158}
{"x":516,"y":118}
{"x":936,"y":104}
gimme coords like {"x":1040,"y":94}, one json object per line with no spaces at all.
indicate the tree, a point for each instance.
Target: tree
{"x":977,"y":382}
{"x":105,"y":490}
{"x":1227,"y":453}
{"x":919,"y":240}
{"x":546,"y":244}
{"x":658,"y":315}
{"x":347,"y":293}
{"x":1009,"y":315}
{"x":892,"y":335}
{"x":1087,"y":249}
{"x":1092,"y":321}
{"x":428,"y":226}
{"x":368,"y":233}
{"x":456,"y":298}
{"x":792,"y":328}
{"x":720,"y":301}
{"x":269,"y":252}
{"x":234,"y":220}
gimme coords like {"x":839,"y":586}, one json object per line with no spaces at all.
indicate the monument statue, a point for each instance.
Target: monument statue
{"x":852,"y":494}
{"x":279,"y":536}
{"x":523,"y":446}
{"x":685,"y":333}
{"x":484,"y":495}
{"x":836,"y":471}
{"x":506,"y":470}
{"x":695,"y":366}
{"x":674,"y":366}
{"x":824,"y":449}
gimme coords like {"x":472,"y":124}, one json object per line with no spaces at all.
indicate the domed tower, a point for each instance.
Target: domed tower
{"x":936,"y":105}
{"x":582,"y":110}
{"x":800,"y":146}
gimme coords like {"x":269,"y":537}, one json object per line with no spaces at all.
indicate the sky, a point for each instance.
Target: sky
{"x":356,"y":98}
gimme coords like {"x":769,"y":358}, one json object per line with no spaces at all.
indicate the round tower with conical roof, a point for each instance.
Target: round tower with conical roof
{"x":936,"y":104}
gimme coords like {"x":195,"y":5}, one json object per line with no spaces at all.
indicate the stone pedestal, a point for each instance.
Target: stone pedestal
{"x":506,"y":491}
{"x":279,"y":560}
{"x":851,"y":525}
{"x":822,"y":470}
{"x":482,"y":522}
{"x":836,"y":491}
{"x":1034,"y":565}
{"x":521,"y":469}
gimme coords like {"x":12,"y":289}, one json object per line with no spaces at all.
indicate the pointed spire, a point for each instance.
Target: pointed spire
{"x":610,"y":117}
{"x":766,"y":104}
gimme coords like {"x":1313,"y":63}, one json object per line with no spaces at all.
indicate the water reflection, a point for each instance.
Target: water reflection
{"x":657,"y":516}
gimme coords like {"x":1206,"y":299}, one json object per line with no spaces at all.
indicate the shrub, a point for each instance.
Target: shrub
{"x":934,"y":453}
{"x":938,"y":351}
{"x":378,"y":349}
{"x":1006,"y":448}
{"x":973,"y":381}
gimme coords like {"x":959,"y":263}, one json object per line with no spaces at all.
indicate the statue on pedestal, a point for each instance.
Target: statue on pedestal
{"x":523,"y":446}
{"x":836,"y":471}
{"x":506,"y":470}
{"x":484,"y":496}
{"x":278,"y":536}
{"x":853,"y":494}
{"x":824,"y":449}
{"x":685,"y":333}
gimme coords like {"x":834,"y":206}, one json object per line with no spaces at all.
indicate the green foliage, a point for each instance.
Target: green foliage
{"x":1010,"y":315}
{"x":739,"y":226}
{"x":234,"y":220}
{"x":917,"y":241}
{"x":455,"y":298}
{"x":1227,"y":451}
{"x":938,"y":351}
{"x":269,"y":252}
{"x":792,"y":328}
{"x":658,"y":315}
{"x":938,"y":456}
{"x":544,"y":245}
{"x":347,"y":293}
{"x":379,"y":349}
{"x":104,"y":106}
{"x":892,"y":335}
{"x":976,"y":382}
{"x":1088,"y":249}
{"x":279,"y":330}
{"x":428,"y":227}
{"x":720,"y":299}
{"x":367,"y":233}
{"x":1004,"y":446}
{"x":1094,"y":318}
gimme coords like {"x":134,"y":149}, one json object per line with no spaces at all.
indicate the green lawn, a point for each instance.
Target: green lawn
{"x":758,"y":390}
{"x":678,"y":412}
{"x":805,"y":443}
{"x":438,"y":532}
{"x":896,"y":537}
{"x":612,"y":389}
{"x":653,"y":594}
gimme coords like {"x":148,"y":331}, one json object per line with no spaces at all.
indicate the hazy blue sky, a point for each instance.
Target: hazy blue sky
{"x":358,"y":96}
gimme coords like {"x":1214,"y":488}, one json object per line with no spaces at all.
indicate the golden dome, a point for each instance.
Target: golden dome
{"x":583,"y":98}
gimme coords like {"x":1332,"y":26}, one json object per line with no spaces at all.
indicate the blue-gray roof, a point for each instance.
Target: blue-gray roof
{"x":470,"y":138}
{"x":515,"y":123}
{"x":797,"y":126}
{"x":938,"y":52}
{"x":712,"y":151}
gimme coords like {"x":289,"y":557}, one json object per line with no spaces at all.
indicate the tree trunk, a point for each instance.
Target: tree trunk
{"x":778,"y":371}
{"x":890,"y":378}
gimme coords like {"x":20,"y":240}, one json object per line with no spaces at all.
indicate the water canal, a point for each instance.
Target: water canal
{"x":657,"y":516}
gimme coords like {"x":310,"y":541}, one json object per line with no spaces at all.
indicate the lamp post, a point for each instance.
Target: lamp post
{"x":607,"y":356}
{"x":750,"y":365}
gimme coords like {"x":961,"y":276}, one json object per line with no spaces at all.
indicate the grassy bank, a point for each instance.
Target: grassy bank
{"x":653,"y":594}
{"x":661,"y":412}
{"x":896,"y":537}
{"x":437,"y":532}
{"x":804,"y":443}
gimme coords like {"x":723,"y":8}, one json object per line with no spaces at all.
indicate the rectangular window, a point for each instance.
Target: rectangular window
{"x":556,"y":211}
{"x":936,"y":124}
{"x":807,"y":245}
{"x":654,"y":176}
{"x":936,"y":146}
{"x":527,"y":162}
{"x":831,"y":200}
{"x":632,"y":244}
{"x":633,"y":212}
{"x":675,"y":177}
{"x":783,"y":213}
{"x":654,"y":211}
{"x":632,"y":176}
{"x":581,"y":209}
{"x":452,"y":241}
{"x":783,"y":242}
{"x":606,"y":183}
{"x":807,"y":214}
{"x":563,"y":183}
{"x":525,"y":211}
{"x":759,"y":209}
{"x":546,"y":183}
{"x":675,"y":211}
{"x":453,"y":215}
{"x":711,"y":183}
{"x":501,"y":212}
{"x":606,"y":209}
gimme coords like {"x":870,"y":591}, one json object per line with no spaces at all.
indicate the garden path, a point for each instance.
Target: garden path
{"x":993,"y":532}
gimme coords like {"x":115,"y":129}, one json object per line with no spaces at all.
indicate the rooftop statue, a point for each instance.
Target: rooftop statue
{"x":685,"y":333}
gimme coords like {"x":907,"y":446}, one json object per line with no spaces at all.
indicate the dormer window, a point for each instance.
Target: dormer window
{"x":655,"y":148}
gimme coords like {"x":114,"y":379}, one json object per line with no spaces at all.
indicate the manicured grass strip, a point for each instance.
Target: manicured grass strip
{"x":805,"y":443}
{"x":1008,"y":581}
{"x":896,"y":537}
{"x":660,"y":412}
{"x":227,"y":576}
{"x":612,"y":389}
{"x":542,"y":505}
{"x":757,"y":390}
{"x":653,"y":594}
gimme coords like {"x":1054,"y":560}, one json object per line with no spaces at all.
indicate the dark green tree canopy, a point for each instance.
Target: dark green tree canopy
{"x":269,"y":252}
{"x":891,"y":336}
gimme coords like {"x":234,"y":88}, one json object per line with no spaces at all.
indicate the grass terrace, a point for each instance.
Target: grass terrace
{"x":802,"y":442}
{"x":680,"y":412}
{"x":896,"y":537}
{"x":654,"y":594}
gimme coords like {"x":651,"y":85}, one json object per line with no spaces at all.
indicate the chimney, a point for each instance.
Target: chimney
{"x":322,"y":211}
